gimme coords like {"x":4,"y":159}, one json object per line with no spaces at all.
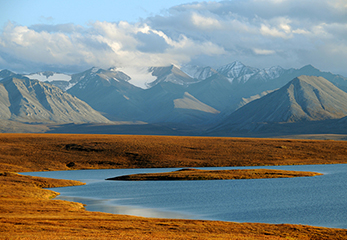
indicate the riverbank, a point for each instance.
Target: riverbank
{"x":28,"y":212}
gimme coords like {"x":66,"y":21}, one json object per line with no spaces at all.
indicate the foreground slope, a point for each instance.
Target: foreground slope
{"x":26,"y":100}
{"x":305,"y":98}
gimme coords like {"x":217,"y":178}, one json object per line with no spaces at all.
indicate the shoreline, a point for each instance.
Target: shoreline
{"x":159,"y":213}
{"x":314,"y":227}
{"x":115,"y":204}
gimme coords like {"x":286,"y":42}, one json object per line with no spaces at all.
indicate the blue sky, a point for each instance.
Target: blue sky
{"x":80,"y":12}
{"x":74,"y":35}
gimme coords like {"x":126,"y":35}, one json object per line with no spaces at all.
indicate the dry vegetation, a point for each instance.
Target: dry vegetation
{"x":27,"y":211}
{"x":41,"y":152}
{"x":197,"y":174}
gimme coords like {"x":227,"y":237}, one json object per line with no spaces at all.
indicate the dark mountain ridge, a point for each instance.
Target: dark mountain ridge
{"x":26,"y":100}
{"x":305,"y":98}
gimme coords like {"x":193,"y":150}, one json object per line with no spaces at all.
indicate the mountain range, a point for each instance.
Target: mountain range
{"x":201,"y":100}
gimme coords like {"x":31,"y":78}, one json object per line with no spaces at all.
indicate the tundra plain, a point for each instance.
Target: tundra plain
{"x":28,"y":212}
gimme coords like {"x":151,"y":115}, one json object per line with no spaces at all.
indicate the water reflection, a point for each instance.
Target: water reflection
{"x":317,"y":201}
{"x":110,"y":206}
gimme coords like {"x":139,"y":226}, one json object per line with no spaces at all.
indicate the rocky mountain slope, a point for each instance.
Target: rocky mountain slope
{"x":26,"y":100}
{"x":108,"y":92}
{"x":305,"y":98}
{"x":168,"y":102}
{"x":171,"y":74}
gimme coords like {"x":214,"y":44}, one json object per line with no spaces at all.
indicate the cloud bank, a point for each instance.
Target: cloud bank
{"x":260,"y":33}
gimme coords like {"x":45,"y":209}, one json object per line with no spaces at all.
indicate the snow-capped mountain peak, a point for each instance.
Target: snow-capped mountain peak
{"x":274,"y":72}
{"x":171,"y":74}
{"x":237,"y":69}
{"x":270,"y":73}
{"x":198,"y":72}
{"x":233,"y":68}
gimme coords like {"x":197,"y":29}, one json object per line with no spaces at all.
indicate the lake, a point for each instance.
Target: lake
{"x":316,"y":201}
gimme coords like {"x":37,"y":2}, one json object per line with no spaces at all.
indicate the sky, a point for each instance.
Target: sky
{"x":72,"y":36}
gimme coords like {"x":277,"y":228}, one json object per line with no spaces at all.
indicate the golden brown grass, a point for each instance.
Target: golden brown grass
{"x":63,"y":152}
{"x":197,"y":174}
{"x":27,"y":211}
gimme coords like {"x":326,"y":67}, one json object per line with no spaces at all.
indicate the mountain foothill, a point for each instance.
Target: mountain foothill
{"x":232,"y":100}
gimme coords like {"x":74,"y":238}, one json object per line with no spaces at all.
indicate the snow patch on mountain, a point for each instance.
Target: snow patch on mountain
{"x":49,"y":76}
{"x":95,"y":70}
{"x":70,"y":86}
{"x":140,"y":77}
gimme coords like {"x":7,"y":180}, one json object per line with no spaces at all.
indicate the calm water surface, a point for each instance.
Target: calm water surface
{"x":317,"y":201}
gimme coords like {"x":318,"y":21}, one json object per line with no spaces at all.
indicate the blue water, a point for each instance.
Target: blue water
{"x":316,"y":201}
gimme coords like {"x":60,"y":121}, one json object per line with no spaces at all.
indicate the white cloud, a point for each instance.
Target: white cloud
{"x":339,"y":4}
{"x":103,"y":44}
{"x":273,"y":32}
{"x":205,"y":23}
{"x":260,"y":33}
{"x":263,"y":51}
{"x":265,"y":32}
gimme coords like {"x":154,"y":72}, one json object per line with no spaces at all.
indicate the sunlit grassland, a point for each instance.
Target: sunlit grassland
{"x":63,"y":152}
{"x":28,"y":212}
